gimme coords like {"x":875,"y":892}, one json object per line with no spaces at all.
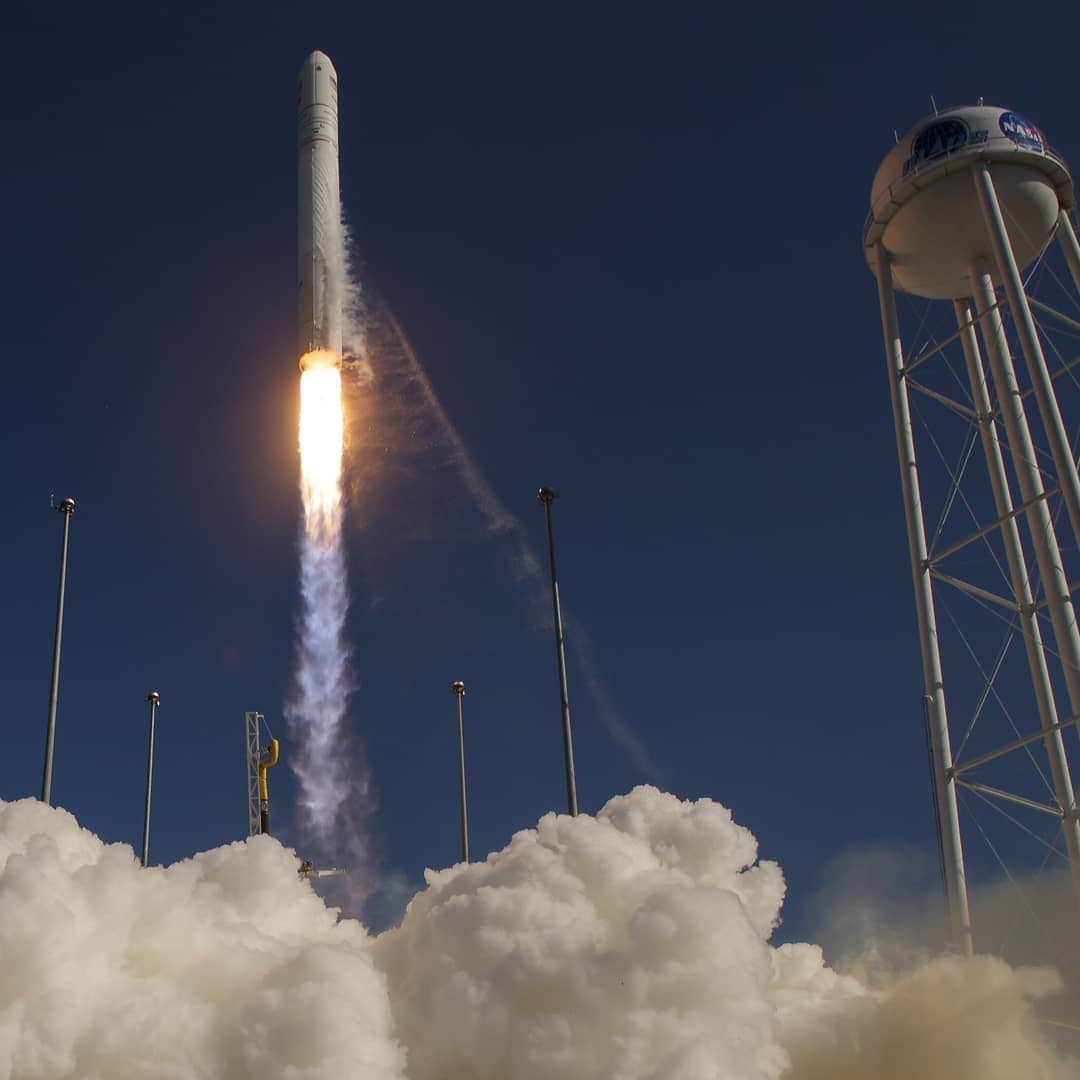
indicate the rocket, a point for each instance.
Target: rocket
{"x":321,"y":243}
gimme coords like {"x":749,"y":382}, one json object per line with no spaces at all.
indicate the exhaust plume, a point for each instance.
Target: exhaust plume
{"x":633,"y":945}
{"x":323,"y":683}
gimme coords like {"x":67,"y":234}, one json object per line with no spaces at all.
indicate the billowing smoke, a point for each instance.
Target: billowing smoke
{"x":636,"y":944}
{"x":630,"y":945}
{"x":226,"y":965}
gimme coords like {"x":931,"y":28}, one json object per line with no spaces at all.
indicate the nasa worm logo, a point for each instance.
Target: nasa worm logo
{"x":1022,"y":132}
{"x":942,"y":137}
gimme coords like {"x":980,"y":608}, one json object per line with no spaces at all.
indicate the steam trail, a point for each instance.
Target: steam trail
{"x":529,"y":566}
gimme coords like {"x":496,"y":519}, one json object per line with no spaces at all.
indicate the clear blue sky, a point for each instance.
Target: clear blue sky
{"x":626,"y":245}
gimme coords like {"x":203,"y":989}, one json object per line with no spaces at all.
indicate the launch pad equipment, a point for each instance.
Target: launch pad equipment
{"x":259,"y":759}
{"x":265,"y":763}
{"x":308,"y":871}
{"x":960,"y":207}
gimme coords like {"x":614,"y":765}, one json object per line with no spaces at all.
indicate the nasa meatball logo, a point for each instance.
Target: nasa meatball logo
{"x":940,"y":138}
{"x":1022,"y":132}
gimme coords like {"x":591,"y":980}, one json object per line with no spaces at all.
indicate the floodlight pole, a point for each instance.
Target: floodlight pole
{"x":457,"y":688}
{"x":545,"y":496}
{"x":154,"y":698}
{"x":67,"y":508}
{"x":952,"y":852}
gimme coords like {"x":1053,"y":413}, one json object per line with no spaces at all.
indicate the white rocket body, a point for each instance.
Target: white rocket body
{"x":321,"y":243}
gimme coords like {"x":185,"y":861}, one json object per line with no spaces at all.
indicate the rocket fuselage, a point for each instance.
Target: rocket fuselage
{"x":321,"y":243}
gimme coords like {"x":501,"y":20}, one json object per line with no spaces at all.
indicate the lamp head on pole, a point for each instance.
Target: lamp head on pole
{"x":154,"y":698}
{"x":457,"y":687}
{"x":545,"y":496}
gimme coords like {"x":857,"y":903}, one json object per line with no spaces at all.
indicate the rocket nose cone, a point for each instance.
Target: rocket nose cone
{"x":319,"y":59}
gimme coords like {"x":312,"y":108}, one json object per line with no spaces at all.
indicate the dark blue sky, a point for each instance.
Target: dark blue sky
{"x":626,"y":246}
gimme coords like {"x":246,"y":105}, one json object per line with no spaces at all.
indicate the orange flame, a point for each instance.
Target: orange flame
{"x":321,"y":437}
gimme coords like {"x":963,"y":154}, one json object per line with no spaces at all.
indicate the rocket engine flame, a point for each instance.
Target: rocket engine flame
{"x":321,"y":441}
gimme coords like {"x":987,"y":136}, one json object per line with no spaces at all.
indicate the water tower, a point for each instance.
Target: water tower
{"x":962,"y":207}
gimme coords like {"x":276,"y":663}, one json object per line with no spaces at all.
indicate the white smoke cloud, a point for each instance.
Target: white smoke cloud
{"x":629,"y":946}
{"x":224,"y":965}
{"x":635,"y":945}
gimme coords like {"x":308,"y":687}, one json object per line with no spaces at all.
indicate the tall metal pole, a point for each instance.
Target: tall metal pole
{"x":1069,"y":244}
{"x":1055,"y":581}
{"x":67,"y":508}
{"x":457,"y":688}
{"x":1009,"y":273}
{"x":154,"y":698}
{"x":1021,"y":586}
{"x":546,"y":497}
{"x":952,"y":851}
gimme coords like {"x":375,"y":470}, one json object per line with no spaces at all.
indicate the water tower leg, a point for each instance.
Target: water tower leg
{"x":1009,"y":273}
{"x":1069,"y":244}
{"x":941,"y":752}
{"x":1021,"y":585}
{"x":1055,"y":583}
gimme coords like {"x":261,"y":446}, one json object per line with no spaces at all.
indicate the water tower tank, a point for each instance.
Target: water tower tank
{"x":924,"y":209}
